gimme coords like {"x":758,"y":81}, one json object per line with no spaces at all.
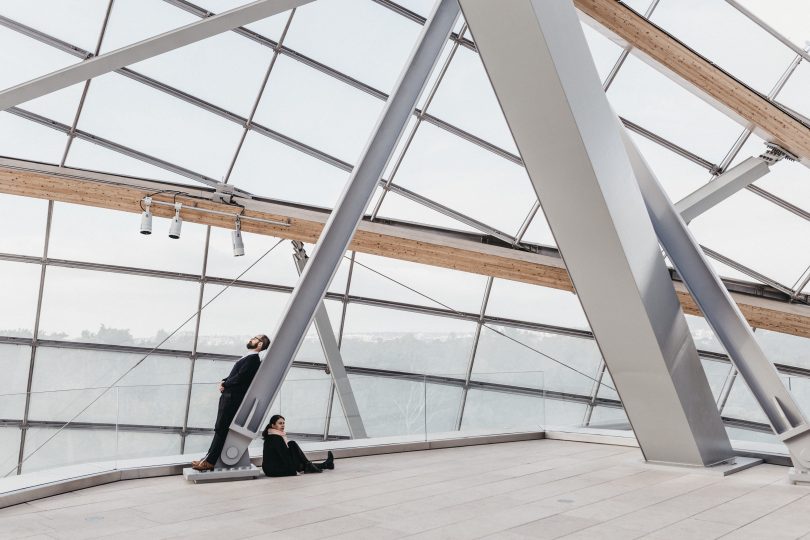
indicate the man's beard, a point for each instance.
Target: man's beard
{"x":249,"y":345}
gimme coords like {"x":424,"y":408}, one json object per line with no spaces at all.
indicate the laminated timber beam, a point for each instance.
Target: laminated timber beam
{"x":697,"y":74}
{"x":415,"y":244}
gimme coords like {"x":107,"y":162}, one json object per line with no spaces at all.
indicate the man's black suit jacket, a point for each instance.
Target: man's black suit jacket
{"x":242,"y":373}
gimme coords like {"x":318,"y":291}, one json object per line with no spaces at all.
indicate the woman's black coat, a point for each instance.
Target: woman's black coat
{"x":277,"y":459}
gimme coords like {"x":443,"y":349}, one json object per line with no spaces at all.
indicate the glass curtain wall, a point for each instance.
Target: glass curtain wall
{"x":282,"y":109}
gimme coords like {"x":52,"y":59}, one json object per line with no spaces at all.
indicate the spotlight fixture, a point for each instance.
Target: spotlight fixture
{"x":146,"y":216}
{"x":236,"y":237}
{"x":177,"y":222}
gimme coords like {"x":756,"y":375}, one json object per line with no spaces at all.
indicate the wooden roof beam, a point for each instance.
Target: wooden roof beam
{"x":698,"y":75}
{"x":420,"y":245}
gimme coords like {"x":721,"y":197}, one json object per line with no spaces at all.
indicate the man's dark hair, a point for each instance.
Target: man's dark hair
{"x":265,"y":341}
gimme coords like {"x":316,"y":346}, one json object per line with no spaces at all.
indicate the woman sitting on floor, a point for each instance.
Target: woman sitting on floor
{"x":285,"y":458}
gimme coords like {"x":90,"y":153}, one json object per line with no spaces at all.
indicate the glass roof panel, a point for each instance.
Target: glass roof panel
{"x":75,"y":21}
{"x":159,"y":125}
{"x":28,"y":240}
{"x":226,"y":70}
{"x":651,"y":99}
{"x":153,"y":393}
{"x":274,"y":170}
{"x":502,"y":360}
{"x":791,"y":19}
{"x":276,"y":267}
{"x":400,"y":208}
{"x":487,"y":410}
{"x":457,"y":174}
{"x":87,"y":155}
{"x":422,"y":7}
{"x":728,"y":38}
{"x":756,"y":233}
{"x":22,"y":139}
{"x":19,"y":287}
{"x":716,"y":373}
{"x":231,"y":320}
{"x":116,"y":240}
{"x":794,"y":94}
{"x":704,"y":336}
{"x":784,"y":348}
{"x":14,"y":361}
{"x":461,"y":291}
{"x":132,"y":21}
{"x":271,"y":27}
{"x":525,"y":302}
{"x":117,"y":309}
{"x":677,"y":175}
{"x":539,"y":231}
{"x":404,"y":341}
{"x":24,"y":59}
{"x":465,"y":99}
{"x":317,"y":109}
{"x":360,"y":38}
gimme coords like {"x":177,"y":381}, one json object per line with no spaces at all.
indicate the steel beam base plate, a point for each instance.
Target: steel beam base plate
{"x":222,"y":475}
{"x":734,"y":465}
{"x":799,"y":477}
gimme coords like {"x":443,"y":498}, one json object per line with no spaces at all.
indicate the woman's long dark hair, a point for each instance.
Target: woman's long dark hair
{"x":273,"y":419}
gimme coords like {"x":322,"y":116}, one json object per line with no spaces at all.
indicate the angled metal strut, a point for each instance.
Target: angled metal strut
{"x":333,"y":358}
{"x":724,"y":317}
{"x":337,"y":234}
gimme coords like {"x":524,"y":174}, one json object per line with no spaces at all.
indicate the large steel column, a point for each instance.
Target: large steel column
{"x":540,"y":67}
{"x":724,"y":317}
{"x":142,"y":50}
{"x":334,"y":360}
{"x":338,"y":232}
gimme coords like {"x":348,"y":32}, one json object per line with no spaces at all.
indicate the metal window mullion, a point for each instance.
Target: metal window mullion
{"x":769,"y":29}
{"x":37,"y":318}
{"x":420,"y":115}
{"x":747,"y":271}
{"x":473,"y":350}
{"x":350,"y":81}
{"x":743,"y":137}
{"x":527,"y":222}
{"x":586,"y":421}
{"x":86,"y":87}
{"x":344,"y":306}
{"x":259,"y":94}
{"x":449,"y":212}
{"x":110,"y":145}
{"x":195,"y":342}
{"x":625,"y":52}
{"x":725,"y":391}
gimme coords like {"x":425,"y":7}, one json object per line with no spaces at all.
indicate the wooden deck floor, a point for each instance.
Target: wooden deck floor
{"x":533,"y":489}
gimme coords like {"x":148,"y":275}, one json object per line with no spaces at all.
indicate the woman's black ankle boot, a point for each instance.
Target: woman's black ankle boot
{"x":330,"y":461}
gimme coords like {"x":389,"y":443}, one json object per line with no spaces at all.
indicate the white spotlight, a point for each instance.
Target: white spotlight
{"x":146,"y":216}
{"x":177,"y":222}
{"x":236,"y":237}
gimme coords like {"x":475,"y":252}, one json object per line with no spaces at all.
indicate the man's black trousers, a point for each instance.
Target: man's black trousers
{"x":228,"y":405}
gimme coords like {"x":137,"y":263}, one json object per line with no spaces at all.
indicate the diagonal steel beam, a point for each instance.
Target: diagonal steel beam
{"x":726,"y":320}
{"x":143,"y":50}
{"x":541,"y":70}
{"x":338,"y":233}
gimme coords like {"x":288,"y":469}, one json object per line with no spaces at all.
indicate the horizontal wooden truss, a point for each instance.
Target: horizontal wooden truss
{"x":420,"y":244}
